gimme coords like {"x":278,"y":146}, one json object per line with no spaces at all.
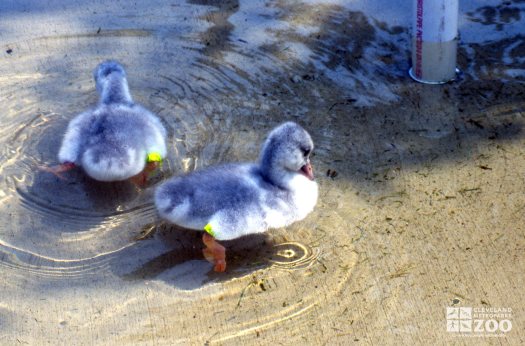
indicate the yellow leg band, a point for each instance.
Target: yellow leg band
{"x":154,"y":157}
{"x":209,"y":230}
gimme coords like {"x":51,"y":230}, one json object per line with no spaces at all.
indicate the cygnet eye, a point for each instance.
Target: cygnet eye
{"x":306,"y":151}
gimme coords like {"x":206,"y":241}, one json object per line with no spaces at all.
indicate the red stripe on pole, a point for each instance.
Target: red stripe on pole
{"x":419,"y":39}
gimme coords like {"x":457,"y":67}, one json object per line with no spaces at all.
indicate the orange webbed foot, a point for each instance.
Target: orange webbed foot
{"x":57,"y":170}
{"x":214,"y":252}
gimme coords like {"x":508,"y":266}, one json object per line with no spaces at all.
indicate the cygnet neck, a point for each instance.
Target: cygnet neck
{"x":115,"y":90}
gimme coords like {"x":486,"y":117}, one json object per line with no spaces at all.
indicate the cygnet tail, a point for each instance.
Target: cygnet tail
{"x":111,"y":82}
{"x":103,"y":167}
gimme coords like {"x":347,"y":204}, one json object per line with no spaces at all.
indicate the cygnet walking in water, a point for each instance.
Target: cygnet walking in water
{"x":233,"y":200}
{"x":118,"y":139}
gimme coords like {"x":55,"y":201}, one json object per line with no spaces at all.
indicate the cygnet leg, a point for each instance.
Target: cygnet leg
{"x":214,"y":253}
{"x":142,"y":178}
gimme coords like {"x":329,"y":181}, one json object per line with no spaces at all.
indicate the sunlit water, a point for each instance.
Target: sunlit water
{"x":93,"y":260}
{"x":89,"y":237}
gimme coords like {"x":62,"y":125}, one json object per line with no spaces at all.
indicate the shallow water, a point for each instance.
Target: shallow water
{"x":78,"y":235}
{"x":91,"y":261}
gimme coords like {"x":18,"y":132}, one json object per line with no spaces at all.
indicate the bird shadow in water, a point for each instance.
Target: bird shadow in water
{"x":77,"y":203}
{"x":243,"y":256}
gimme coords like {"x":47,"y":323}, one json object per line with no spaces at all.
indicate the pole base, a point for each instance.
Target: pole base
{"x":413,"y":76}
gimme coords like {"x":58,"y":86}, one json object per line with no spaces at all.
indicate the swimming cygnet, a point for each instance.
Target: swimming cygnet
{"x":116,"y":140}
{"x":233,"y":200}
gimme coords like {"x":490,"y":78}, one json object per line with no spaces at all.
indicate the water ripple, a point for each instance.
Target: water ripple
{"x":293,"y":256}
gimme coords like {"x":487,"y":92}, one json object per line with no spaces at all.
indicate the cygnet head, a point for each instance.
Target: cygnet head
{"x":286,"y":154}
{"x":111,"y":83}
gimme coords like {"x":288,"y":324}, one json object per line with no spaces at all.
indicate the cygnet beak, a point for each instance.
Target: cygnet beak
{"x":307,"y":170}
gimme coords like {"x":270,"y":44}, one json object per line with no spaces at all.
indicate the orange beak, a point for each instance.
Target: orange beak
{"x":308,"y":171}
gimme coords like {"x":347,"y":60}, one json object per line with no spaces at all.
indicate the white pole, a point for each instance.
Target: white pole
{"x":434,"y":41}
